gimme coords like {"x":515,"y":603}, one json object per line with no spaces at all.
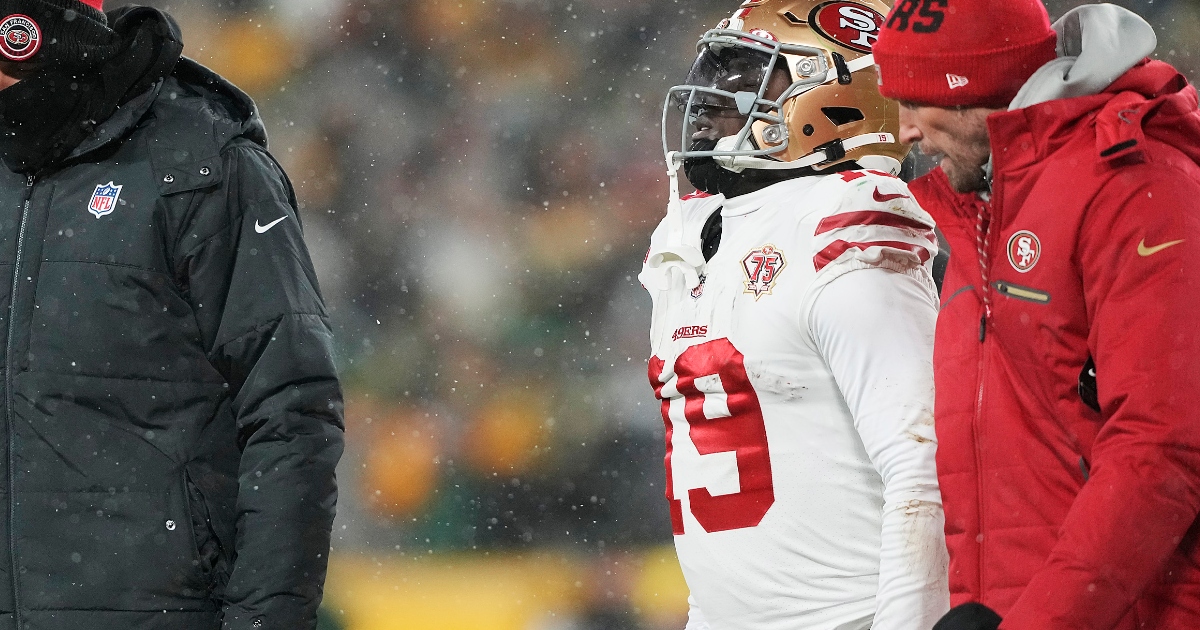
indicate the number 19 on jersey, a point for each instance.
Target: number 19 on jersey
{"x":720,"y":416}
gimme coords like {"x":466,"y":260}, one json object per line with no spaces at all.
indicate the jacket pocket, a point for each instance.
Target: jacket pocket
{"x":112,"y":550}
{"x":210,"y":552}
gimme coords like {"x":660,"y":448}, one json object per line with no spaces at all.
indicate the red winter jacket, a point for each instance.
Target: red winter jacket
{"x":1058,"y":516}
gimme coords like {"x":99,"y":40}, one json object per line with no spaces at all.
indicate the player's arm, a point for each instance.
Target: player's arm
{"x":1143,"y":491}
{"x":874,"y":327}
{"x":872,"y":315}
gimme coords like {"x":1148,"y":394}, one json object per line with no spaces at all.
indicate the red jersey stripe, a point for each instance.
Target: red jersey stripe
{"x":850,"y":176}
{"x":868,"y":217}
{"x":837,"y":248}
{"x":699,"y":194}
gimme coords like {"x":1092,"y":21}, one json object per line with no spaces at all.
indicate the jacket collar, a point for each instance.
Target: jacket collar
{"x":124,"y":119}
{"x":951,"y":210}
{"x":1097,"y":44}
{"x":148,"y":28}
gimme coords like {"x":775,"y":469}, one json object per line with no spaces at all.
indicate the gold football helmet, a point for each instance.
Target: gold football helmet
{"x":830,"y":114}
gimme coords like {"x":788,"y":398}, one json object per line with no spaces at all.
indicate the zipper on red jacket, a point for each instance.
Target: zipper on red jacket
{"x":14,"y":568}
{"x":983,"y":230}
{"x":979,"y":490}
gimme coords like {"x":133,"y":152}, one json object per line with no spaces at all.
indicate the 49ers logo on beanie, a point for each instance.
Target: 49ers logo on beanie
{"x":20,"y":37}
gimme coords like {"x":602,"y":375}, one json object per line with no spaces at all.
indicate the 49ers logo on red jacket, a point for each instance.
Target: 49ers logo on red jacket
{"x":849,"y":24}
{"x":1024,"y":250}
{"x":20,"y":37}
{"x":762,"y":267}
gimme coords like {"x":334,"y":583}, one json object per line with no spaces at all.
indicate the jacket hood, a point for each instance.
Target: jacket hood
{"x":1151,"y":100}
{"x":227,"y":102}
{"x":1109,"y":85}
{"x":1097,"y":44}
{"x":224,"y":102}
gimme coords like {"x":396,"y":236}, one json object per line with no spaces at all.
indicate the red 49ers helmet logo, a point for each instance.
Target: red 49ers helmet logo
{"x":1024,"y":250}
{"x":20,"y":38}
{"x":848,"y":24}
{"x":762,"y":267}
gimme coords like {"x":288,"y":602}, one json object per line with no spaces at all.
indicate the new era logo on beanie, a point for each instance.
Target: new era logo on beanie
{"x":69,"y":32}
{"x":951,"y":53}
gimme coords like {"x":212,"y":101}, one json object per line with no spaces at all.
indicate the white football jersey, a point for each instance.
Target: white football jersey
{"x":794,"y":370}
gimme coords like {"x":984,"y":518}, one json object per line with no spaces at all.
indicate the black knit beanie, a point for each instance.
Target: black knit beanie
{"x":55,"y":32}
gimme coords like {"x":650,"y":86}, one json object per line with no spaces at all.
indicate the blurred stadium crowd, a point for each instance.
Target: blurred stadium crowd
{"x":478,"y":180}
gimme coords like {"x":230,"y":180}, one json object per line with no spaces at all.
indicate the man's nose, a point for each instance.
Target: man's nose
{"x":909,"y":132}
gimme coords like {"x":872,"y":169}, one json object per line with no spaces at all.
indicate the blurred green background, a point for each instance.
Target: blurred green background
{"x":478,"y":180}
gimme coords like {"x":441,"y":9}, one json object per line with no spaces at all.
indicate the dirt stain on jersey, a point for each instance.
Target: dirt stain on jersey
{"x":923,"y":541}
{"x":768,"y":381}
{"x":918,"y":438}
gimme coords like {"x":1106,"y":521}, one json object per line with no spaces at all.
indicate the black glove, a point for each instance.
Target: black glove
{"x":970,"y":616}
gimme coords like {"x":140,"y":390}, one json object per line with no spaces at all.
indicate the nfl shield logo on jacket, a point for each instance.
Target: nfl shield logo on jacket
{"x":104,"y":199}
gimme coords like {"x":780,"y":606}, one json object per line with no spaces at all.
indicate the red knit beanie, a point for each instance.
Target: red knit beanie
{"x":969,"y":53}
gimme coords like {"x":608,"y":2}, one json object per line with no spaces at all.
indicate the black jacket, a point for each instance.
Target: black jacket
{"x":171,"y":416}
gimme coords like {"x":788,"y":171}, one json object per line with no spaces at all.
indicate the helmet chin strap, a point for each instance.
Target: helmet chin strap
{"x":675,"y":260}
{"x":865,"y":61}
{"x":739,"y":163}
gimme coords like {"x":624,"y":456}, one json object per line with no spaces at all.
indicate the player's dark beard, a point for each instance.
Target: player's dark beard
{"x":705,"y":174}
{"x":708,"y":176}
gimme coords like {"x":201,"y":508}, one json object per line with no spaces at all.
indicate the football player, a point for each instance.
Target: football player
{"x":792,"y":333}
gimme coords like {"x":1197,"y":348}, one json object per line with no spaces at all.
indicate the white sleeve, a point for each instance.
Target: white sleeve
{"x":875,"y":327}
{"x":696,"y":619}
